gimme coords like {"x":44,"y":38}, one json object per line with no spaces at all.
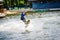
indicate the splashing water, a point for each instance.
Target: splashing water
{"x":41,"y":27}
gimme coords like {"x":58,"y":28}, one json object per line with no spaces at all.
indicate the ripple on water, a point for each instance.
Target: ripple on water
{"x":49,"y":23}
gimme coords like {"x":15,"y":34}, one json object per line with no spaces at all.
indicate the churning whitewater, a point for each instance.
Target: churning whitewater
{"x":42,"y":27}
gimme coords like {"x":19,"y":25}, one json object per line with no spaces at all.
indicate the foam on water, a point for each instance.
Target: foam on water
{"x":35,"y":24}
{"x":44,"y":28}
{"x":20,"y":26}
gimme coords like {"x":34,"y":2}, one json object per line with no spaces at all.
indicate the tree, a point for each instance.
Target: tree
{"x":15,"y":2}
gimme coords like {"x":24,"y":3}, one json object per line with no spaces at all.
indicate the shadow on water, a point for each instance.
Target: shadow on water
{"x":5,"y":35}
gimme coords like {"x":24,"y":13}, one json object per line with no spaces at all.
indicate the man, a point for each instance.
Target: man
{"x":23,"y":19}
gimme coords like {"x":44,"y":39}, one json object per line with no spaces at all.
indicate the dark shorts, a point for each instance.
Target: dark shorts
{"x":23,"y":19}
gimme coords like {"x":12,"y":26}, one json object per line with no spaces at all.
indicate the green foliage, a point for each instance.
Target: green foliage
{"x":22,"y":2}
{"x":14,"y":2}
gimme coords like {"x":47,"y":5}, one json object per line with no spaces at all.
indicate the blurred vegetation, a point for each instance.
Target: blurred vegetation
{"x":15,"y":3}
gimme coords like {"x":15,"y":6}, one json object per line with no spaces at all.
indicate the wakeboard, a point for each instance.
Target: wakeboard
{"x":27,"y":23}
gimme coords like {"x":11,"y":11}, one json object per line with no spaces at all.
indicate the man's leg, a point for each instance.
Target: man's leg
{"x":24,"y":21}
